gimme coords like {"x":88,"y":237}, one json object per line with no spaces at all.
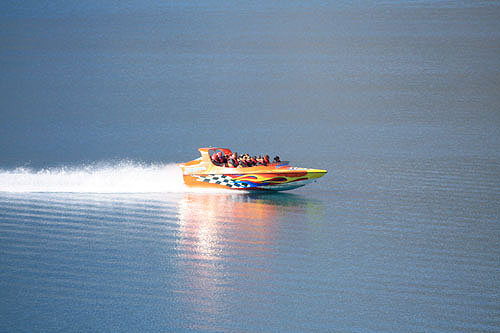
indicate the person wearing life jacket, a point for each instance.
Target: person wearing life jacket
{"x":216,"y":159}
{"x":222,"y":158}
{"x":232,"y":162}
{"x":266,"y":160}
{"x":243,"y":161}
{"x":249,"y":161}
{"x":277,"y":159}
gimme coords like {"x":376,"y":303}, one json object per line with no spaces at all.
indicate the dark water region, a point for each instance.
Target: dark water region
{"x":398,"y":100}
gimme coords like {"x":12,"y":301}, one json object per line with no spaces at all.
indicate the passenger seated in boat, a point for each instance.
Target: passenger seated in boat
{"x":232,"y":162}
{"x":214,"y":158}
{"x":277,"y":159}
{"x":250,"y":161}
{"x":266,"y":159}
{"x":217,"y":159}
{"x":260,"y":161}
{"x":223,"y":158}
{"x":240,"y":161}
{"x":244,"y":161}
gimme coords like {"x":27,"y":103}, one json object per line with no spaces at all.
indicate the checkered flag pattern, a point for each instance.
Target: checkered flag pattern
{"x":222,"y":180}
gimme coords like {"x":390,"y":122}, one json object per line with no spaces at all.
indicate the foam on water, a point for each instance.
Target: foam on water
{"x":122,"y":177}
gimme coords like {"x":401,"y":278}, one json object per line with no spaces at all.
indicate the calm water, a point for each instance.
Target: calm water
{"x":397,"y":100}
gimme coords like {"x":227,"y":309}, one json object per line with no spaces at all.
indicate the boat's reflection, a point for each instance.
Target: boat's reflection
{"x":225,"y":239}
{"x":211,"y":222}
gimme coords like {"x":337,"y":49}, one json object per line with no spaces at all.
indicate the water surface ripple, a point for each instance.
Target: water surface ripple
{"x":415,"y":248}
{"x":398,"y":100}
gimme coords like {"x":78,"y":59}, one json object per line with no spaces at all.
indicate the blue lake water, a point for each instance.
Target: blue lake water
{"x":397,"y":100}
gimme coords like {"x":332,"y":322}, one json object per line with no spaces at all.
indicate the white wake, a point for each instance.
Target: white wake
{"x":123,"y":177}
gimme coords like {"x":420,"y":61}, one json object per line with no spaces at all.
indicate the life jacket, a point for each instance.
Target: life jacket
{"x":216,"y":159}
{"x":232,"y":162}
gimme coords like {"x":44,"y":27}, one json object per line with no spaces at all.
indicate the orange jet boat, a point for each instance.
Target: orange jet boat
{"x":203,"y":172}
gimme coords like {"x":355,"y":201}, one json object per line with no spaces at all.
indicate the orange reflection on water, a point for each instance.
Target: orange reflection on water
{"x":212,"y":223}
{"x":220,"y":234}
{"x":226,"y":240}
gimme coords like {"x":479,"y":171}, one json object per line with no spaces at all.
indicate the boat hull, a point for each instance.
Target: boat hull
{"x":269,"y":181}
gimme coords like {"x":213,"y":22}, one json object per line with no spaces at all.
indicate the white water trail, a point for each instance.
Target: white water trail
{"x":122,"y":177}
